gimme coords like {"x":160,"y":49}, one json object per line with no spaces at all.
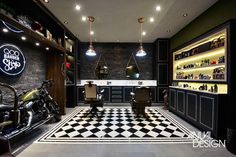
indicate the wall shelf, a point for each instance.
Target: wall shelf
{"x":32,"y":34}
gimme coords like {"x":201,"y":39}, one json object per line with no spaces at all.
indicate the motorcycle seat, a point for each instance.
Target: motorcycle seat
{"x":5,"y":107}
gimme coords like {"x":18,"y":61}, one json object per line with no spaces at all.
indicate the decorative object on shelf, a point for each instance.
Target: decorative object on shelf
{"x":36,"y":26}
{"x":68,"y":65}
{"x":101,"y":70}
{"x":90,"y":51}
{"x":218,"y":42}
{"x":132,"y":70}
{"x":219,"y":73}
{"x":141,"y":52}
{"x":24,"y":20}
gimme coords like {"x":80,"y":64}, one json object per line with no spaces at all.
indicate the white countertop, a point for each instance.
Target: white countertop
{"x":120,"y":82}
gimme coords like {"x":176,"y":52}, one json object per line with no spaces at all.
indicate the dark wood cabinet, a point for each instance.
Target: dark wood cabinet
{"x":172,"y":99}
{"x":191,"y":106}
{"x":180,"y":100}
{"x":204,"y":110}
{"x":161,"y":67}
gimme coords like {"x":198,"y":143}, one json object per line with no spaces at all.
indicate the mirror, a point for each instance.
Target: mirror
{"x":132,"y":70}
{"x":101,"y":70}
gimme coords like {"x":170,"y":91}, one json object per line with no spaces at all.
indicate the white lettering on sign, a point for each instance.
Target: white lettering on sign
{"x":11,"y":59}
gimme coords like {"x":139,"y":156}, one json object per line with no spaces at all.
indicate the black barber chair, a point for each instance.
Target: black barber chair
{"x":140,"y":99}
{"x":92,"y":97}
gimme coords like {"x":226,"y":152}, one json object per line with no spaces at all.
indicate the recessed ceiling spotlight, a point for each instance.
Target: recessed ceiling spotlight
{"x":143,"y":33}
{"x":65,"y":22}
{"x":151,"y":19}
{"x":47,"y":48}
{"x":185,"y":15}
{"x":23,"y":38}
{"x":91,"y":32}
{"x":37,"y":44}
{"x":5,"y":30}
{"x":158,"y":8}
{"x":84,"y":18}
{"x":77,"y":7}
{"x":46,"y":1}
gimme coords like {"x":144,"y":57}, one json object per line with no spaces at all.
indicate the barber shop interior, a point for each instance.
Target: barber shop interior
{"x":112,"y":78}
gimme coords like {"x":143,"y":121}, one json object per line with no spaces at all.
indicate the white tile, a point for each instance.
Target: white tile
{"x":113,"y":133}
{"x":86,"y":134}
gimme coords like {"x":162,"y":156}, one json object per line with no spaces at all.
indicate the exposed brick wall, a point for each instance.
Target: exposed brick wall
{"x":117,"y":56}
{"x":34,"y":72}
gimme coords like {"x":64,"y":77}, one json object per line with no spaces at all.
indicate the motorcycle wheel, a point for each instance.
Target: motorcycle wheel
{"x":54,"y":110}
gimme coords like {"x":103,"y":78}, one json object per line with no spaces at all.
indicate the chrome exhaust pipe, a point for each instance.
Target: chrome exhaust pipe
{"x":30,"y":118}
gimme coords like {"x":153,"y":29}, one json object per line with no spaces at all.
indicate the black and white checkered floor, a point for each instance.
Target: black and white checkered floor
{"x":118,"y":125}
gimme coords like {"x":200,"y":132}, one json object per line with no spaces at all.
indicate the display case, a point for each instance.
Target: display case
{"x":200,"y":80}
{"x":202,"y":65}
{"x":70,"y":61}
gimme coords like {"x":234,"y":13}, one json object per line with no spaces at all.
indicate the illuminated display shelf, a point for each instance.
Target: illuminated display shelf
{"x":207,"y":54}
{"x":212,"y":66}
{"x":193,"y":67}
{"x":197,"y":61}
{"x":202,"y":80}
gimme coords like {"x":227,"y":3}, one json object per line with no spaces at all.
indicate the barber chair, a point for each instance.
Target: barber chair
{"x":5,"y":149}
{"x":140,"y":99}
{"x":92,"y":97}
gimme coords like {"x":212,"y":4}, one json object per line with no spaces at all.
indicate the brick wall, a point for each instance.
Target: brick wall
{"x":116,"y":56}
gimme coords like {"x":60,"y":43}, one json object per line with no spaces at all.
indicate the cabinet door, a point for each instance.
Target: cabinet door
{"x":181,"y":102}
{"x":172,"y":99}
{"x":116,"y":94}
{"x":191,"y":106}
{"x":105,"y":94}
{"x":80,"y":96}
{"x":126,"y":94}
{"x":70,"y":96}
{"x":162,"y":50}
{"x":206,"y":111}
{"x":162,"y":73}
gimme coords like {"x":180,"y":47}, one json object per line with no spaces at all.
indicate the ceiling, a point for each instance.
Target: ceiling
{"x":116,"y":20}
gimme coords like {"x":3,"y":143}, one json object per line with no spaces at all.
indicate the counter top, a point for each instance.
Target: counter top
{"x":201,"y":91}
{"x":120,"y":82}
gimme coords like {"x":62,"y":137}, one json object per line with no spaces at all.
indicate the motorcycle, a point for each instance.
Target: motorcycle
{"x":31,"y":109}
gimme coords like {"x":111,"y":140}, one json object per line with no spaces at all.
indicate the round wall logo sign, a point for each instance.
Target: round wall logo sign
{"x":12,"y":60}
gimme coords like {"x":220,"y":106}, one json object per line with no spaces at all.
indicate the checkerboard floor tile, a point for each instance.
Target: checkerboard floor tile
{"x":118,"y":124}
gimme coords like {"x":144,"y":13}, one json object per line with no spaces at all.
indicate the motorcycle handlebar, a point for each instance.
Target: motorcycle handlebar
{"x":47,"y":83}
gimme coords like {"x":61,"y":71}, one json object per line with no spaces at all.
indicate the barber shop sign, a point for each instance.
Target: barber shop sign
{"x":12,"y":60}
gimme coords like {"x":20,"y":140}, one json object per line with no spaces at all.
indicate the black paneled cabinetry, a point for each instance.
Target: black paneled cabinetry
{"x":161,"y":67}
{"x":204,"y":110}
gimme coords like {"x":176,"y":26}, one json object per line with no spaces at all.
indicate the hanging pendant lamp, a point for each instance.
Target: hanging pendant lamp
{"x":141,"y":52}
{"x":90,"y":51}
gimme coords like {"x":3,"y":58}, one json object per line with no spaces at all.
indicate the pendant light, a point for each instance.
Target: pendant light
{"x":141,"y":52}
{"x":90,"y":51}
